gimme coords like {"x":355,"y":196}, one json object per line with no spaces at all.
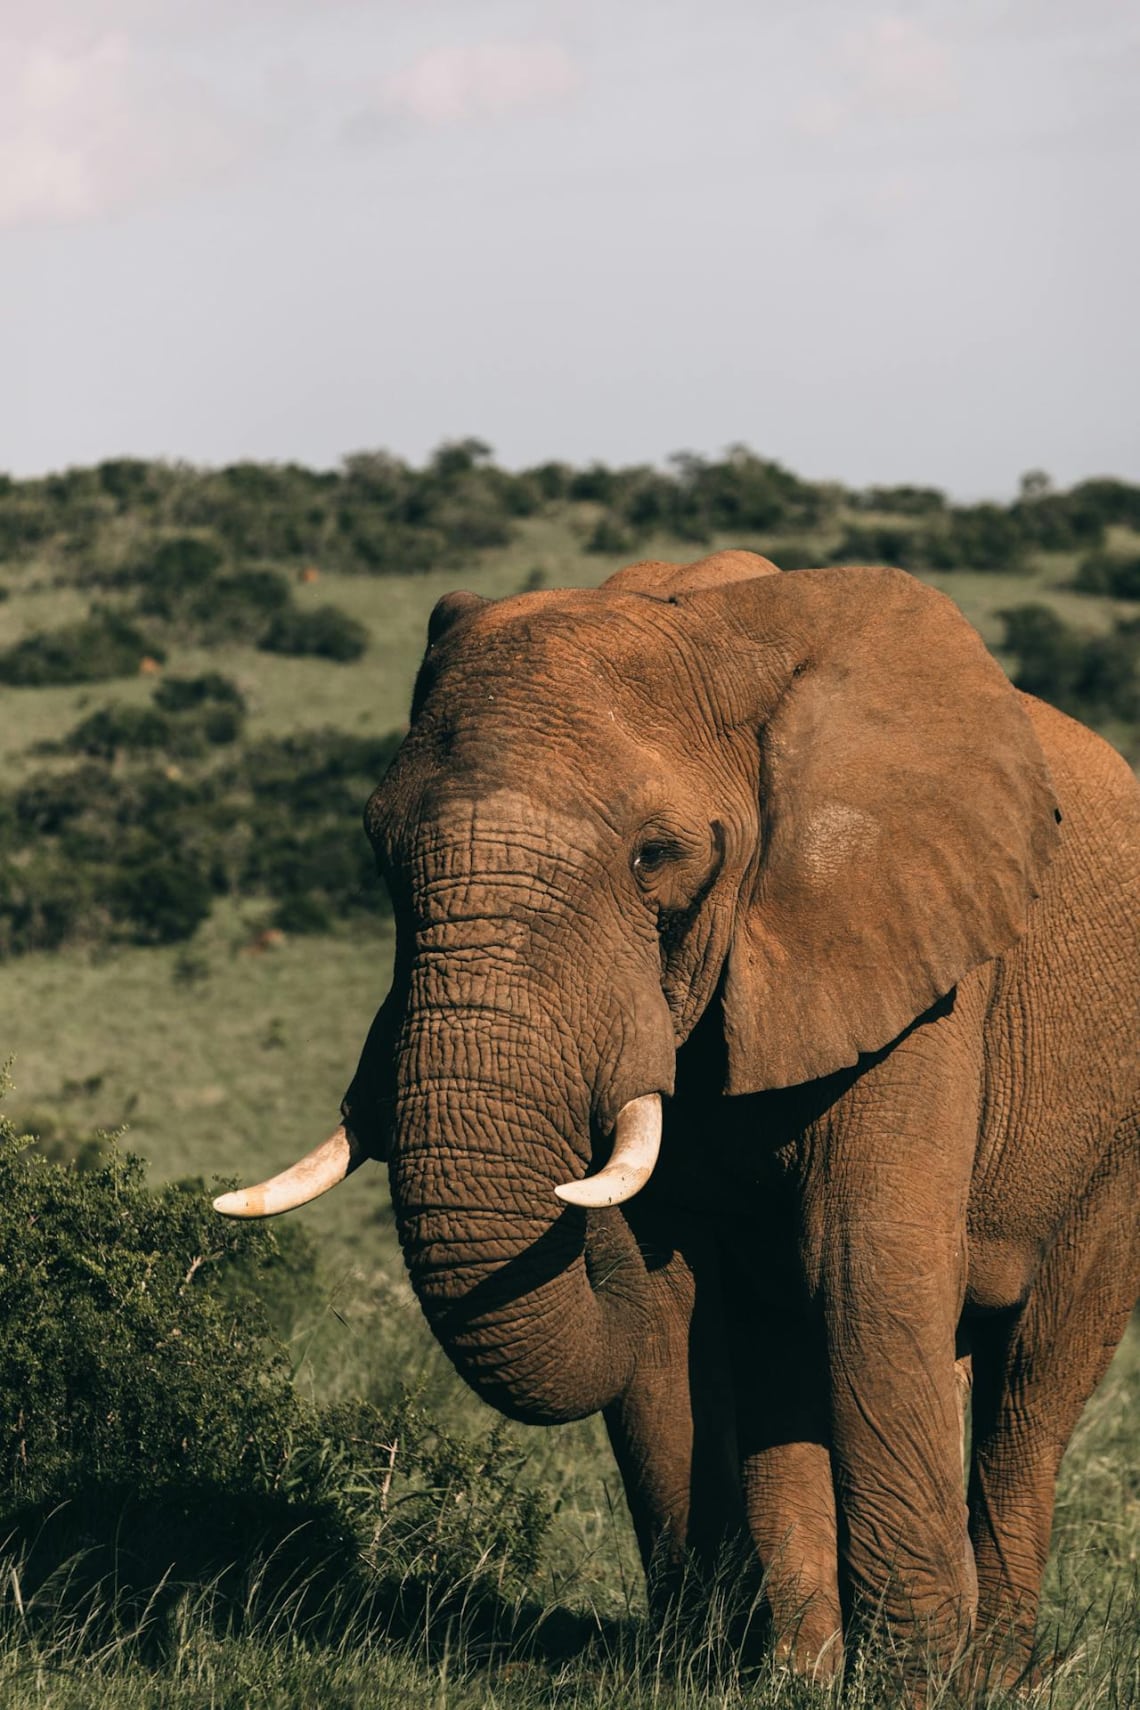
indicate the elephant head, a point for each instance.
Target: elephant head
{"x":803,"y":805}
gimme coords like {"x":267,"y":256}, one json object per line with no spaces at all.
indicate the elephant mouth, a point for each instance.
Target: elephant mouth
{"x":637,"y":1142}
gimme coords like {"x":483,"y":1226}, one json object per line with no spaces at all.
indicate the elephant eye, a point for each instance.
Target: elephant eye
{"x":652,"y":856}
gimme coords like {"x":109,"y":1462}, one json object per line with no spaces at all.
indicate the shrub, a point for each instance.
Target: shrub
{"x":979,"y":537}
{"x":180,"y":566}
{"x":1109,"y":685}
{"x":1108,"y":573}
{"x":150,"y":1434}
{"x":183,"y":694}
{"x":102,"y":734}
{"x":796,"y":555}
{"x":883,"y":543}
{"x":45,"y":902}
{"x":160,"y":896}
{"x":235,"y":607}
{"x":1049,"y":653}
{"x":117,"y":1360}
{"x":609,"y":536}
{"x":102,"y":646}
{"x":189,"y":715}
{"x":1095,"y":677}
{"x":326,"y":633}
{"x":303,"y":912}
{"x":1108,"y":501}
{"x":903,"y":501}
{"x":94,"y":853}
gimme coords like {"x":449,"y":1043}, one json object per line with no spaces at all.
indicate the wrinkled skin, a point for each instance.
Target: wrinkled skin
{"x":789,"y":850}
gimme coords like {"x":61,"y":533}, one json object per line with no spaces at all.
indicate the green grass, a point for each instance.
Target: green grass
{"x":223,"y":1059}
{"x":590,"y":1649}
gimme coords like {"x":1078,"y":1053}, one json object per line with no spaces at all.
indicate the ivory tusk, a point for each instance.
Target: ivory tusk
{"x":313,"y":1175}
{"x":637,"y":1141}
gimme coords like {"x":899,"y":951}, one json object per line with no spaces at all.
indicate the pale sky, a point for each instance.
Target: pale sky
{"x":881,"y":243}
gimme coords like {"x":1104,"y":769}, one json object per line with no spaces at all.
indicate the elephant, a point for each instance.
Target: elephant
{"x":759,"y":1069}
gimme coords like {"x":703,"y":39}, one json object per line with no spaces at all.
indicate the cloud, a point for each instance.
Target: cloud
{"x":887,"y":65}
{"x":452,"y":84}
{"x":90,"y":127}
{"x":898,"y":62}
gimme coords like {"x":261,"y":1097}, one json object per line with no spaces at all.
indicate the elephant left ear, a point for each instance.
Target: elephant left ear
{"x":905,"y":819}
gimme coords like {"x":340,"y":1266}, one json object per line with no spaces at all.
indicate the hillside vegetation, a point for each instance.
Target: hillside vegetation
{"x":203,"y":673}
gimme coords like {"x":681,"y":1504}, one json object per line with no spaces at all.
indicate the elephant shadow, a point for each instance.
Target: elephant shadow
{"x":109,"y":1563}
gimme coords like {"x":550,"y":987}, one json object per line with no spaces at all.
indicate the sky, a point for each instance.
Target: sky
{"x":881,"y":243}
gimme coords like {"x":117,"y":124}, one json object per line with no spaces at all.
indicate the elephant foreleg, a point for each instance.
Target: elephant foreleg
{"x":885,"y":1219}
{"x":673,"y":1434}
{"x":790,"y":1494}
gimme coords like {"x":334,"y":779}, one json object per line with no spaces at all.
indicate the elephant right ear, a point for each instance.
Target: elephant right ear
{"x":905,"y":814}
{"x":448,"y":610}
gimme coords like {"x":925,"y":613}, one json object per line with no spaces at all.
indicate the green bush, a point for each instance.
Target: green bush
{"x":160,"y":896}
{"x":108,"y":853}
{"x":185,"y":694}
{"x":118,"y":1358}
{"x":795,"y":555}
{"x":1109,"y":573}
{"x":235,"y":607}
{"x":151,"y":1437}
{"x":903,"y":501}
{"x":104,"y":733}
{"x":609,"y":536}
{"x":189,"y":715}
{"x":1049,"y":653}
{"x":47,"y":901}
{"x":326,"y":633}
{"x":102,"y":646}
{"x":179,"y":567}
{"x":882,"y":543}
{"x":1092,"y":677}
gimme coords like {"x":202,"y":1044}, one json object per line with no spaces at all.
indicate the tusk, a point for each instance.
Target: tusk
{"x":313,"y":1175}
{"x":637,"y":1141}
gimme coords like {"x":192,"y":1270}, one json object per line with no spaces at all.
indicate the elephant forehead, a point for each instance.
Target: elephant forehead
{"x":509,"y":832}
{"x":573,"y":646}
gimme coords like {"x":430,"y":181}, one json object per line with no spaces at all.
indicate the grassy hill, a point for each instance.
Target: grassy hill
{"x":222,"y":1030}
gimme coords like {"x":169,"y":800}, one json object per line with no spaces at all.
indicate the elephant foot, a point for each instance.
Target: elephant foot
{"x":810,"y":1651}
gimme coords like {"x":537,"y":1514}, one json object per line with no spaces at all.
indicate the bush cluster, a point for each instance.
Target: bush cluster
{"x":148,"y":1418}
{"x":181,"y":589}
{"x":696,"y":499}
{"x":326,"y":633}
{"x":377,"y":515}
{"x":1109,"y":573}
{"x":98,"y":853}
{"x":105,"y":644}
{"x":1094,"y":678}
{"x":185,"y":583}
{"x":188,"y":716}
{"x":960,"y":537}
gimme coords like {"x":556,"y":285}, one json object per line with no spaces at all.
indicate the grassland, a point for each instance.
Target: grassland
{"x":226,"y":1057}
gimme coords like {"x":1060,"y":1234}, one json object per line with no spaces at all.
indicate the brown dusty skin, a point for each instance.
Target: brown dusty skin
{"x":788,"y":852}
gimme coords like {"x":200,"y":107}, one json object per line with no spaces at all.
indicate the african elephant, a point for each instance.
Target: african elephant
{"x":773,"y":884}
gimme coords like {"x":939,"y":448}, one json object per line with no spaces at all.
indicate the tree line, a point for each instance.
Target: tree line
{"x":376,"y":514}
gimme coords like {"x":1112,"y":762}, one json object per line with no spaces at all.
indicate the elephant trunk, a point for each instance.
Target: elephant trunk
{"x":537,"y":1306}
